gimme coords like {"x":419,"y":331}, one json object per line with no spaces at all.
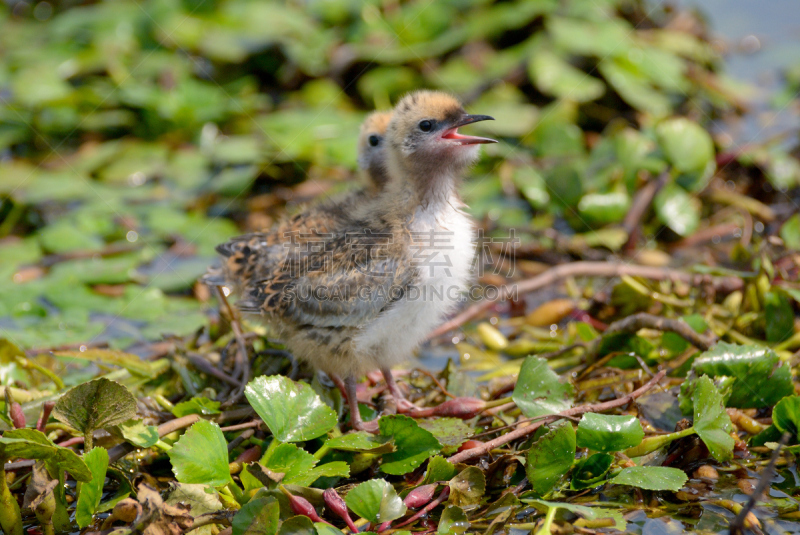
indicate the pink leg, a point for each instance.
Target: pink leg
{"x":355,"y":417}
{"x":403,"y":405}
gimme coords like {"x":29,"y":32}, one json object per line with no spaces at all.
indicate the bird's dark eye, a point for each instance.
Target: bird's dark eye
{"x":373,"y":140}
{"x":426,"y":125}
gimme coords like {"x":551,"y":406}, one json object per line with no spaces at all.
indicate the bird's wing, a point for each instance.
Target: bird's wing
{"x":348,"y":279}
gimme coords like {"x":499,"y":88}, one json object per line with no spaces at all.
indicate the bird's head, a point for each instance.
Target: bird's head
{"x":423,"y":134}
{"x":371,"y":144}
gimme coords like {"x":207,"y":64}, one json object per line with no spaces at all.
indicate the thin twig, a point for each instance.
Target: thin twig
{"x":737,"y":525}
{"x":587,"y":269}
{"x":642,"y":320}
{"x":574,"y":411}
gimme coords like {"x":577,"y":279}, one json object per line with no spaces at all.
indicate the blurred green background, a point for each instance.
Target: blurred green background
{"x":137,"y":135}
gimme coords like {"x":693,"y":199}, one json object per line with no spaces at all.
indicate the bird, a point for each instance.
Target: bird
{"x":356,"y":285}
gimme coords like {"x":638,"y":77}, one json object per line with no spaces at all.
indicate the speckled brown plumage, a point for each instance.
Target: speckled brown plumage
{"x":342,"y":282}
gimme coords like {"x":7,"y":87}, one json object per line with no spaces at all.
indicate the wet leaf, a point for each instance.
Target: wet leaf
{"x":450,"y":432}
{"x":136,"y":432}
{"x":677,"y":209}
{"x":550,"y":457}
{"x":453,"y":521}
{"x":376,"y":501}
{"x":711,"y":422}
{"x":297,"y":525}
{"x":94,"y":405}
{"x":291,"y":410}
{"x":468,"y":487}
{"x":591,"y":471}
{"x":607,"y":433}
{"x":196,"y":405}
{"x":201,"y":456}
{"x":260,"y":516}
{"x":651,"y":477}
{"x":761,"y":379}
{"x":439,"y":469}
{"x":786,"y":415}
{"x":361,"y":441}
{"x":414,"y":444}
{"x":539,"y":391}
{"x":92,"y":491}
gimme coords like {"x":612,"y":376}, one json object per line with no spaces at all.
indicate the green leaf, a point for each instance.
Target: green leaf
{"x":539,"y":391}
{"x":651,"y":477}
{"x":196,"y":405}
{"x":94,"y":405}
{"x":293,"y":462}
{"x":201,"y":456}
{"x":786,"y":415}
{"x":453,"y":521}
{"x":439,"y":469}
{"x":604,"y":208}
{"x":33,"y":444}
{"x":602,"y":432}
{"x":92,"y":491}
{"x":779,"y":316}
{"x":790,"y":232}
{"x":677,"y":209}
{"x":259,"y":516}
{"x":468,"y":487}
{"x":761,"y":377}
{"x":297,"y":525}
{"x":291,"y":410}
{"x":591,"y":471}
{"x":689,"y":148}
{"x":327,"y":529}
{"x":139,"y":434}
{"x":554,"y":76}
{"x":711,"y":421}
{"x":376,"y":501}
{"x":414,"y":444}
{"x":550,"y":457}
{"x":361,"y":441}
{"x":450,"y":432}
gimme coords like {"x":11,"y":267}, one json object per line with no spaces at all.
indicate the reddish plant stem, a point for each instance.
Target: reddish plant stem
{"x":425,"y":510}
{"x":574,"y":411}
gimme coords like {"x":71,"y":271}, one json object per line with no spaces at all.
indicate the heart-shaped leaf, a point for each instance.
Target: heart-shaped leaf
{"x":291,"y":410}
{"x":201,"y":456}
{"x":414,"y":444}
{"x":94,"y":405}
{"x":260,"y":516}
{"x":539,"y":390}
{"x":603,"y":432}
{"x":550,"y":457}
{"x":468,"y":487}
{"x":376,"y":501}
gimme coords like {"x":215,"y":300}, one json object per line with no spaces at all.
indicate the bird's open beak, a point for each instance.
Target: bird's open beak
{"x":453,"y":135}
